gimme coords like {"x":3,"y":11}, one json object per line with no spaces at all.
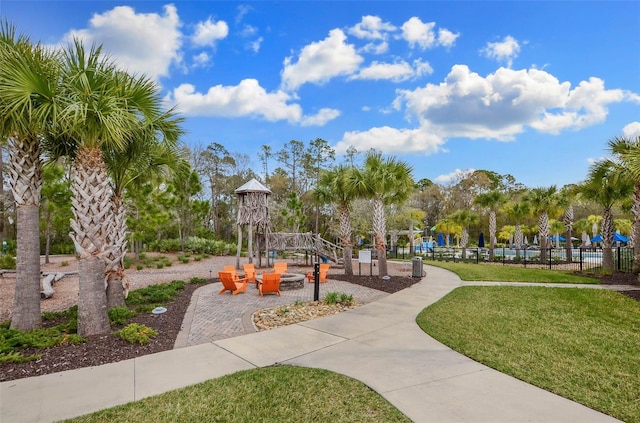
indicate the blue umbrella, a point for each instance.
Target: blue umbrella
{"x":616,"y":238}
{"x":481,"y":240}
{"x":560,"y":237}
{"x":440,"y":240}
{"x":620,"y":238}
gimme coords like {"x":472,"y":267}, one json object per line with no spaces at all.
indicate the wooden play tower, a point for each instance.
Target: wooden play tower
{"x":253,"y":212}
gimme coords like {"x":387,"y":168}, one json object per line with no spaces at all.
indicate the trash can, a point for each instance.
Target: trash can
{"x":417,"y":267}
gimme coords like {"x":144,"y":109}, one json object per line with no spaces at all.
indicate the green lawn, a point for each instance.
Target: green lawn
{"x":270,"y":394}
{"x":582,"y":344}
{"x":497,"y":273}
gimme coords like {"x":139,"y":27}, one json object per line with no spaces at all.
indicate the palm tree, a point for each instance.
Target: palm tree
{"x":106,"y":109}
{"x":28,"y":107}
{"x":543,"y":202}
{"x":140,"y":162}
{"x":606,"y":185}
{"x":517,"y":211}
{"x":335,"y":184}
{"x":492,"y":201}
{"x":386,"y":181}
{"x":464,"y":218}
{"x":626,"y":152}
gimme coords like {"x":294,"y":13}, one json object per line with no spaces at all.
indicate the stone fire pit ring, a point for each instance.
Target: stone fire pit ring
{"x":289,"y":281}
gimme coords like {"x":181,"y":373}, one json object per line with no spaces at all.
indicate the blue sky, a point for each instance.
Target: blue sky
{"x":532,"y":89}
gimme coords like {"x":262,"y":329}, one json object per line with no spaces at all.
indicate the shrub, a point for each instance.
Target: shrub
{"x":127,"y":262}
{"x":7,"y":262}
{"x":155,"y":294}
{"x":331,"y":298}
{"x":135,"y":332}
{"x":198,"y":280}
{"x":120,"y":315}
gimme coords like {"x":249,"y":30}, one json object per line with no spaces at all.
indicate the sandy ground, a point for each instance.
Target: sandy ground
{"x":66,"y":289}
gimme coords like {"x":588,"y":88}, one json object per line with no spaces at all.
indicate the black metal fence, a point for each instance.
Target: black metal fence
{"x":580,"y":260}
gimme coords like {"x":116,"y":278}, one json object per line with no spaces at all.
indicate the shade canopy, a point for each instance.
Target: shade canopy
{"x":616,"y":238}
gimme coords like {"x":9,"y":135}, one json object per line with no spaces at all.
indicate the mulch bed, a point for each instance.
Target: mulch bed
{"x":105,"y":349}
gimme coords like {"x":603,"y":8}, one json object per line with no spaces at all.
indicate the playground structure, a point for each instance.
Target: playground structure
{"x":327,"y":251}
{"x":253,"y":213}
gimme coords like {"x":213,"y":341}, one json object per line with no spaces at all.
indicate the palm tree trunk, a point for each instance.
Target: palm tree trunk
{"x":117,"y":282}
{"x":543,"y":232}
{"x":607,"y":241}
{"x":345,"y":239}
{"x":26,"y":304}
{"x":380,"y":233}
{"x":92,"y":212}
{"x":26,"y":182}
{"x":518,"y":240}
{"x":635,"y":230}
{"x":492,"y":234}
{"x":464,"y":241}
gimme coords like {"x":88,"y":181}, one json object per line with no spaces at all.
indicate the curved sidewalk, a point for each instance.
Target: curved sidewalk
{"x":378,"y":343}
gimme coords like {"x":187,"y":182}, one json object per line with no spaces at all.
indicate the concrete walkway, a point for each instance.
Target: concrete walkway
{"x":378,"y":344}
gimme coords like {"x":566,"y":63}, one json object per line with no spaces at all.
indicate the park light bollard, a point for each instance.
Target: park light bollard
{"x":316,"y":281}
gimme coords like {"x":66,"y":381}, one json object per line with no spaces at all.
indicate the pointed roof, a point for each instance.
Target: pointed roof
{"x":253,"y":186}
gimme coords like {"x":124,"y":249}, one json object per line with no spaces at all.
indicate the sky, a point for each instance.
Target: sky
{"x":532,"y":89}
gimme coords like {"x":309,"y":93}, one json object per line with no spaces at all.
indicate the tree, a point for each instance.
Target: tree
{"x":606,"y":185}
{"x":143,"y":158}
{"x":464,"y":218}
{"x":29,"y":85}
{"x":385,"y":181}
{"x":55,"y":203}
{"x":104,"y":109}
{"x":335,"y":184}
{"x":544,"y":202}
{"x":216,"y":163}
{"x":517,"y":211}
{"x":264,"y":155}
{"x":626,"y":155}
{"x":492,"y":201}
{"x":291,"y":158}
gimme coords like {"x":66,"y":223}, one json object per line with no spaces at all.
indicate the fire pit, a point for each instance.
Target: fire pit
{"x":289,"y":281}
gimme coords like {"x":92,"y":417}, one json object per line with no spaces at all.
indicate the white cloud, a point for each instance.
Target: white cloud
{"x":321,"y":61}
{"x":631,"y":131}
{"x":371,"y":28}
{"x":504,"y":103}
{"x":392,"y":140}
{"x":454,"y":176}
{"x":201,"y":60}
{"x":504,"y":51}
{"x":140,"y":42}
{"x":209,"y":32}
{"x":375,"y":48}
{"x":321,"y":118}
{"x":396,"y":72}
{"x":447,"y":38}
{"x":416,"y":32}
{"x":255,"y":45}
{"x":245,"y":99}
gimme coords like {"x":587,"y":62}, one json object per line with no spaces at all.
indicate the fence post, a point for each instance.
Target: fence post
{"x":549,"y":254}
{"x":580,"y":259}
{"x":619,"y":264}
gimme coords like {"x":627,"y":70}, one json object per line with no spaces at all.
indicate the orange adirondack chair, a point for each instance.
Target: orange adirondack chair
{"x":231,"y":269}
{"x":280,"y":267}
{"x":249,"y":272}
{"x":324,"y":270}
{"x":230,"y":284}
{"x":270,"y":283}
